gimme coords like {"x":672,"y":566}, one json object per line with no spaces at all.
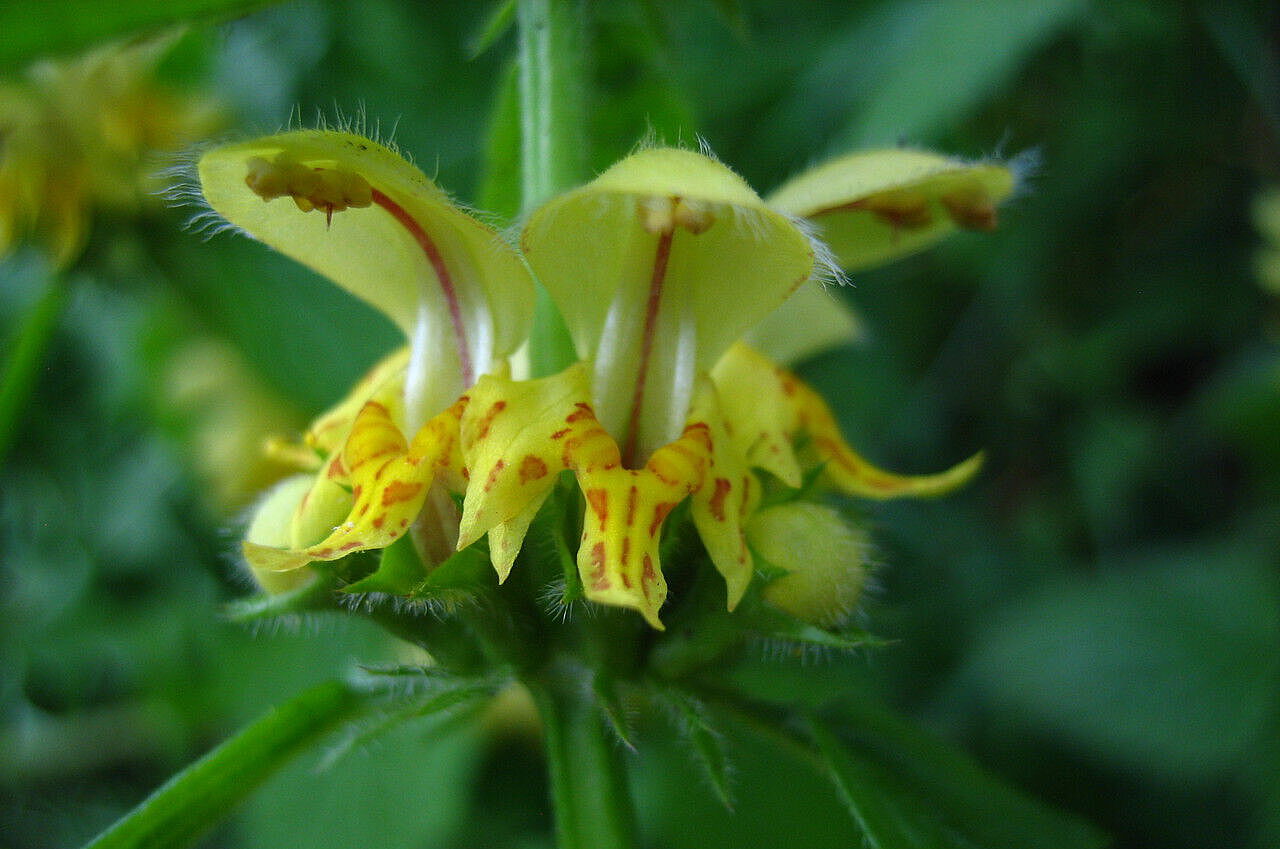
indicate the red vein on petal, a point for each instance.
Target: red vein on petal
{"x":429,"y":248}
{"x":661,"y":256}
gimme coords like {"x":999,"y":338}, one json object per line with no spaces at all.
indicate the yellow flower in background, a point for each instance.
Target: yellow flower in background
{"x":1266,"y":218}
{"x":660,"y":267}
{"x":81,"y":134}
{"x":226,"y":413}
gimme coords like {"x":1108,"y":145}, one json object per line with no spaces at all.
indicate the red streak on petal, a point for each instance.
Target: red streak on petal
{"x":429,"y":248}
{"x":661,"y":256}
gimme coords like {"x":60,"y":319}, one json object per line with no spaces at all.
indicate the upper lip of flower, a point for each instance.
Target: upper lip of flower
{"x":387,"y":234}
{"x":658,"y":266}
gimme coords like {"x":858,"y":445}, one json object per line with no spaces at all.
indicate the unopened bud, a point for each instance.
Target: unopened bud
{"x":272,"y":525}
{"x":824,"y":556}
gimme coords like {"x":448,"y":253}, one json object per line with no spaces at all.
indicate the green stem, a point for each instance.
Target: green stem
{"x":552,"y":139}
{"x":196,"y":799}
{"x":27,"y":354}
{"x":588,"y":785}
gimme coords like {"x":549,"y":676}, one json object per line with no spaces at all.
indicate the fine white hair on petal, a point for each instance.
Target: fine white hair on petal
{"x":1025,"y":166}
{"x":826,"y":269}
{"x":648,"y":141}
{"x":182,"y":191}
{"x":704,"y":147}
{"x":181,"y":181}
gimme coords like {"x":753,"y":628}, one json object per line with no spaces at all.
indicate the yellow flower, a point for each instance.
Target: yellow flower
{"x":660,"y":266}
{"x":358,"y":213}
{"x":78,"y":134}
{"x":225,"y":413}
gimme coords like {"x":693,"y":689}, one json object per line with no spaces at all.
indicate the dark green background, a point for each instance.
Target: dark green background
{"x":1097,"y":618}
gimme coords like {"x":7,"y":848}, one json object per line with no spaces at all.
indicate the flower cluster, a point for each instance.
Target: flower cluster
{"x":76,"y":134}
{"x":661,"y":267}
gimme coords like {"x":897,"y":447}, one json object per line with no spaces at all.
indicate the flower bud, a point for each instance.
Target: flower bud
{"x":272,"y":526}
{"x":825,"y":559}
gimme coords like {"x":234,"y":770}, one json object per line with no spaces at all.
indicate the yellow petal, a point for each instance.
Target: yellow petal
{"x":725,"y":496}
{"x":879,"y":205}
{"x":389,"y":480}
{"x":384,"y":383}
{"x":506,"y":538}
{"x":853,"y":475}
{"x":324,"y":506}
{"x":359,"y":214}
{"x":517,"y":436}
{"x":756,"y":400}
{"x":769,"y":408}
{"x":812,"y":320}
{"x":658,"y":266}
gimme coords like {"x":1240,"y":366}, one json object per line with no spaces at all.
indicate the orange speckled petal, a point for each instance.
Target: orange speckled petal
{"x":728,"y":495}
{"x":516,"y":437}
{"x":618,"y":557}
{"x":389,"y":485}
{"x":853,"y":475}
{"x":383,"y":383}
{"x":768,"y":407}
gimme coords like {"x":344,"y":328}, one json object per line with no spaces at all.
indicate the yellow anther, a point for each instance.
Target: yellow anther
{"x":694,"y":216}
{"x":657,"y":214}
{"x":898,"y":208}
{"x":971,"y":208}
{"x":310,"y":187}
{"x":265,"y":179}
{"x":662,"y":215}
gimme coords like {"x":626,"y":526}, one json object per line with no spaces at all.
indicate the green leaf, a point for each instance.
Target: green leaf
{"x":316,"y":594}
{"x":952,"y":56}
{"x":469,"y":570}
{"x":778,"y":626}
{"x":399,"y":571}
{"x":196,"y":799}
{"x":24,"y":356}
{"x":551,"y":545}
{"x":1251,"y":54}
{"x":1099,"y":662}
{"x":73,"y":25}
{"x":704,"y":743}
{"x":444,"y":695}
{"x":496,"y":24}
{"x":861,"y":788}
{"x":941,"y":785}
{"x":615,"y":713}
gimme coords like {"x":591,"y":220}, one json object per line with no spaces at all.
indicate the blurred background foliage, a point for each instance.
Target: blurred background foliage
{"x":1096,"y":619}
